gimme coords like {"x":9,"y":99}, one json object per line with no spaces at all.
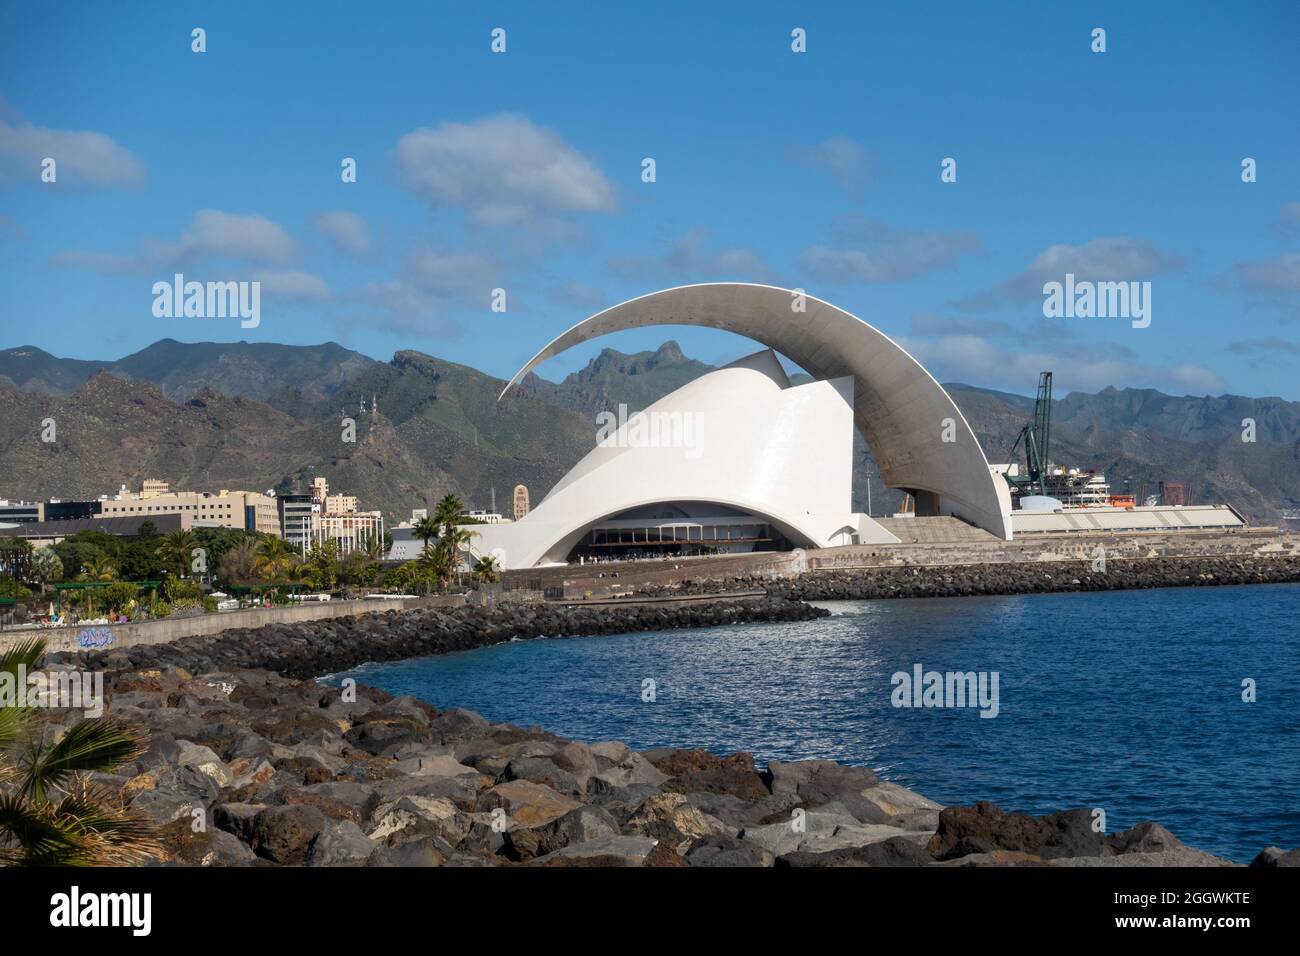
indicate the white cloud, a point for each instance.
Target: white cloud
{"x":846,"y":163}
{"x":1269,"y":350}
{"x":881,"y":253}
{"x":294,"y":285}
{"x":1279,"y":274}
{"x":346,"y":231}
{"x":502,"y":171}
{"x":1110,"y":258}
{"x":577,"y":294}
{"x":974,"y":360}
{"x":429,"y":287}
{"x":928,"y":324}
{"x":83,"y":159}
{"x":249,"y":237}
{"x":1288,"y":219}
{"x":455,"y":272}
{"x":212,"y":234}
{"x":689,"y":258}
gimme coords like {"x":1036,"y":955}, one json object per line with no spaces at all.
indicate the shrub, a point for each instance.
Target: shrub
{"x":209,"y":604}
{"x":178,"y":589}
{"x":160,"y":609}
{"x":10,"y":588}
{"x":118,"y":595}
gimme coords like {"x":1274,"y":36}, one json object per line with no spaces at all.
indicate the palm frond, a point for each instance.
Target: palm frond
{"x":13,"y":722}
{"x":27,"y":653}
{"x":37,"y":835}
{"x":99,"y":744}
{"x":106,"y":830}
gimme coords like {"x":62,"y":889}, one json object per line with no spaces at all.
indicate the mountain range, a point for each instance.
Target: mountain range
{"x":260,"y":416}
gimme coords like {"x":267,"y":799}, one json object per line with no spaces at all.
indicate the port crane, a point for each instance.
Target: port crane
{"x":1036,"y":436}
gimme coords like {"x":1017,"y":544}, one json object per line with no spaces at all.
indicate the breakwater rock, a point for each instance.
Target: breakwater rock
{"x":313,"y":648}
{"x":1015,"y":578}
{"x":291,"y":772}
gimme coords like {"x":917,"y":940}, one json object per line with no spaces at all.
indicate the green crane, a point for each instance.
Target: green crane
{"x":1036,"y":436}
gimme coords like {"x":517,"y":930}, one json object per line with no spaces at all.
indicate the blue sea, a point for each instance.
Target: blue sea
{"x":1130,"y":701}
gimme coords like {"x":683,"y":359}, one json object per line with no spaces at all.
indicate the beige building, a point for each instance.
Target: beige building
{"x":247,"y":510}
{"x":340,"y":504}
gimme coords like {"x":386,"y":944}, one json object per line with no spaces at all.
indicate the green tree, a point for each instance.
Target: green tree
{"x":425,"y":529}
{"x":176,"y":549}
{"x":117,"y":597}
{"x":239,"y":564}
{"x":99,"y":568}
{"x":487,"y":570}
{"x":447,"y":512}
{"x":436,"y":564}
{"x":16,"y":558}
{"x":46,"y":566}
{"x":297,"y":572}
{"x":323,"y":564}
{"x":11,"y":587}
{"x":50,"y":812}
{"x":273,"y":558}
{"x":218,"y":541}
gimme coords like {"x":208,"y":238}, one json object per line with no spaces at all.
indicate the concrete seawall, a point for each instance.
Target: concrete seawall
{"x":104,"y":636}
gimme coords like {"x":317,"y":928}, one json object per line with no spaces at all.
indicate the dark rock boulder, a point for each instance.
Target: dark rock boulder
{"x":817,"y":782}
{"x":1276,"y":856}
{"x":895,"y":851}
{"x":698,"y":771}
{"x":723,"y":849}
{"x":984,"y":828}
{"x":285,"y":835}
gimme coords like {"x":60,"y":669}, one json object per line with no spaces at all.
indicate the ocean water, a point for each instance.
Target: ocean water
{"x":1130,"y":701}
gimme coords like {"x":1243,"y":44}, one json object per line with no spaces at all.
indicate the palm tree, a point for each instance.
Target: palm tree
{"x":99,"y":568}
{"x":297,"y":572}
{"x":50,"y":813}
{"x":487,"y":570}
{"x":177,"y":549}
{"x":461,"y":539}
{"x":273,"y":557}
{"x":425,"y":529}
{"x":47,"y":566}
{"x":447,"y":512}
{"x":374,"y":549}
{"x":434,"y":562}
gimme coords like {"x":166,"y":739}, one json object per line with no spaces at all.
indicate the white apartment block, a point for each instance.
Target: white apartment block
{"x":354,"y":531}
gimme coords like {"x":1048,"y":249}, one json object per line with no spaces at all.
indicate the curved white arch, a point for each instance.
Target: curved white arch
{"x":740,"y":437}
{"x":901,"y":410}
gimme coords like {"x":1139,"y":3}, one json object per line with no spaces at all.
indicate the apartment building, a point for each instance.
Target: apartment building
{"x":356,"y":531}
{"x":247,"y":510}
{"x":340,"y":504}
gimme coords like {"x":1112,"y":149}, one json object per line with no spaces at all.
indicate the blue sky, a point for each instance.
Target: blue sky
{"x":522,"y":170}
